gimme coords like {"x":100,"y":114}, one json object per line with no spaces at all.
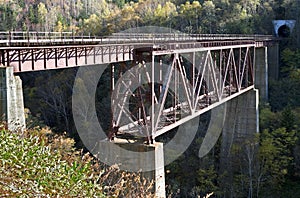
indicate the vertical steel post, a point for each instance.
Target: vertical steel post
{"x":76,"y":56}
{"x":153,"y":96}
{"x":193,"y":80}
{"x":19,"y":60}
{"x":32,"y":59}
{"x":67,"y":59}
{"x":45,"y":58}
{"x":55,"y":56}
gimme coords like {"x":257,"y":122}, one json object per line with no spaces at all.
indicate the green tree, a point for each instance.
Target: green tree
{"x":32,"y":14}
{"x":291,"y":62}
{"x":163,"y":14}
{"x":268,"y":119}
{"x":283,"y":93}
{"x":9,"y":12}
{"x":207,"y":180}
{"x":189,"y":16}
{"x":42,"y":14}
{"x":145,"y":10}
{"x":275,"y":157}
{"x":92,"y":25}
{"x":128,"y":17}
{"x":288,"y":119}
{"x":208,"y":17}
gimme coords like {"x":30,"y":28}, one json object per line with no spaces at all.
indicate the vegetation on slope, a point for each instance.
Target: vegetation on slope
{"x":39,"y":163}
{"x":102,"y":17}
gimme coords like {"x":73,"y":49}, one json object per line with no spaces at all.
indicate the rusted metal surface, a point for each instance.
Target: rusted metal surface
{"x":192,"y":81}
{"x":25,"y":59}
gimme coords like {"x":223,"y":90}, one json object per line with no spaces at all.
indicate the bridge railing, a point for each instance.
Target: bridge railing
{"x":187,"y":37}
{"x":29,"y":37}
{"x":19,"y":37}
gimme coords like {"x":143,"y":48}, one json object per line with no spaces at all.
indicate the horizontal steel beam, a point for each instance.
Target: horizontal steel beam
{"x":200,"y":49}
{"x":198,"y":113}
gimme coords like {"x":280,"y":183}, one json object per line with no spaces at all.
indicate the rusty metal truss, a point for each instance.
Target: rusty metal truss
{"x":172,"y":86}
{"x":25,"y":59}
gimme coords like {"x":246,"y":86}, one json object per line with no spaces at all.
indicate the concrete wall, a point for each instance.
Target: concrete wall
{"x":11,"y":99}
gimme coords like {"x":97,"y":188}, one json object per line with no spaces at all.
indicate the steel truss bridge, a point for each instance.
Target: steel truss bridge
{"x":159,"y":81}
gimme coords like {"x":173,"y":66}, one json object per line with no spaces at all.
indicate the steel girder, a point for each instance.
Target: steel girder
{"x":25,"y":59}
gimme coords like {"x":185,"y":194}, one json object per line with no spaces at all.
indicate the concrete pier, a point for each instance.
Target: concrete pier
{"x":241,"y":121}
{"x":266,"y":68}
{"x":261,"y":72}
{"x":241,"y":125}
{"x":11,"y":99}
{"x":136,"y":156}
{"x":241,"y":117}
{"x":273,"y":61}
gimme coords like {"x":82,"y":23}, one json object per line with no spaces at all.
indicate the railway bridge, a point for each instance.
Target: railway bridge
{"x":159,"y":82}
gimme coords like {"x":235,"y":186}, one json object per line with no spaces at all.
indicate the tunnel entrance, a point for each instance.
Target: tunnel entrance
{"x":283,"y":28}
{"x":284,"y":31}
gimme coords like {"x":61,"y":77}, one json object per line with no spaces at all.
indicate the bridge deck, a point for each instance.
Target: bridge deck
{"x":39,"y":53}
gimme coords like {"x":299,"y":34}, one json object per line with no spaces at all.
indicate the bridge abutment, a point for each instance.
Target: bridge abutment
{"x":11,"y":97}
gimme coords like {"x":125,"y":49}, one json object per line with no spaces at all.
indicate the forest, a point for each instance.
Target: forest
{"x":267,"y":165}
{"x":102,"y":17}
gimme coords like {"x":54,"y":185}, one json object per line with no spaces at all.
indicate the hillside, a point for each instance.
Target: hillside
{"x":39,"y":163}
{"x":108,"y":16}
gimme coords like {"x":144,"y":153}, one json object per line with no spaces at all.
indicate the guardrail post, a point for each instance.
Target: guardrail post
{"x":72,"y":34}
{"x":27,"y":34}
{"x":9,"y":38}
{"x":37,"y":36}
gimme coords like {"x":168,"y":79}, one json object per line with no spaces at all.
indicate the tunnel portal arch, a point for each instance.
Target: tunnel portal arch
{"x":283,"y":28}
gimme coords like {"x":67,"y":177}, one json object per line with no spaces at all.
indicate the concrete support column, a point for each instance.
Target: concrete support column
{"x":160,"y":186}
{"x":11,"y":99}
{"x":273,"y":61}
{"x":261,"y":72}
{"x":242,"y":119}
{"x":137,"y":157}
{"x":241,"y":123}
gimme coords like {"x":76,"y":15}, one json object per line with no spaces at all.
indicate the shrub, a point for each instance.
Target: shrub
{"x":39,"y":163}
